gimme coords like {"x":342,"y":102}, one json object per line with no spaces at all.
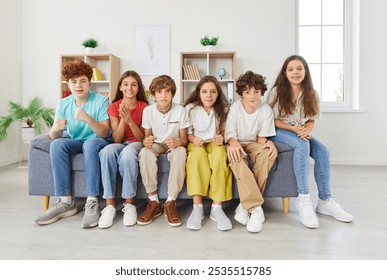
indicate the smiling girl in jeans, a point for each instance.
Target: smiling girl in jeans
{"x":296,"y":107}
{"x":125,"y":120}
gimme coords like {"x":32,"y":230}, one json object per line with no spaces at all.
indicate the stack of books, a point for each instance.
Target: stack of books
{"x":191,"y":72}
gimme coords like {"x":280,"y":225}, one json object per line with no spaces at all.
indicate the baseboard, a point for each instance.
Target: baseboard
{"x":376,"y":162}
{"x":9,"y":161}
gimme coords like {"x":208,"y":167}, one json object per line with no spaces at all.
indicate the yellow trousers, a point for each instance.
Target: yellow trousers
{"x":208,"y":173}
{"x":251,"y":184}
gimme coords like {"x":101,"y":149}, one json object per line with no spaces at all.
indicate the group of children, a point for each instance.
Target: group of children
{"x":206,"y":141}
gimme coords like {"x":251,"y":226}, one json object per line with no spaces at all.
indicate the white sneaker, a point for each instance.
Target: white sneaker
{"x":194,"y":221}
{"x":107,"y":217}
{"x":130,"y":215}
{"x":241,"y":215}
{"x":305,"y":209}
{"x":331,"y":208}
{"x":254,"y":224}
{"x":222,"y":221}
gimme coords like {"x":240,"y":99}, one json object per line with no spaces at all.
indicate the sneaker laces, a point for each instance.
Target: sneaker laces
{"x":308,"y":209}
{"x":90,"y":206}
{"x":126,"y":207}
{"x":171,"y":209}
{"x":106,"y":209}
{"x":333,"y":203}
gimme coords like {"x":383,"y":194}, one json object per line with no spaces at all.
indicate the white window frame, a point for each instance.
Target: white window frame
{"x":351,"y":59}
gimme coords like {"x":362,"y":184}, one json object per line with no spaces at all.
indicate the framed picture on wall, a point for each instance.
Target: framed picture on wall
{"x":151,"y":49}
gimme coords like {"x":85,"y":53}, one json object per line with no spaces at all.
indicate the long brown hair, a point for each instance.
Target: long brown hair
{"x":141,"y":91}
{"x":284,"y":97}
{"x":220,"y":106}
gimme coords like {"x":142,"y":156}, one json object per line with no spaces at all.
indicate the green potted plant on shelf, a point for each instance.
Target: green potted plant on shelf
{"x":208,"y":42}
{"x":90,"y":44}
{"x":33,"y":116}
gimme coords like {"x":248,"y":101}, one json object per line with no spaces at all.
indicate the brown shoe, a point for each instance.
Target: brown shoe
{"x":153,"y":210}
{"x":170,"y":212}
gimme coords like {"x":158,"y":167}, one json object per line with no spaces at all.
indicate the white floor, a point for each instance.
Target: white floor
{"x":362,"y":190}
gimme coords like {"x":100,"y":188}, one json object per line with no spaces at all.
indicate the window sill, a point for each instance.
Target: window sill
{"x":342,"y":110}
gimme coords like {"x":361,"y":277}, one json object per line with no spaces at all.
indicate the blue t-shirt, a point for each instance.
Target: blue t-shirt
{"x":96,"y":106}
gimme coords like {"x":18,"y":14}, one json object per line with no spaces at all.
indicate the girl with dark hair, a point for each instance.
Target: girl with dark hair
{"x":207,"y":171}
{"x":125,"y":120}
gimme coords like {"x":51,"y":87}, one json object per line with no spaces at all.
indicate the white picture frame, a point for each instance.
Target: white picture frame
{"x":151,"y":49}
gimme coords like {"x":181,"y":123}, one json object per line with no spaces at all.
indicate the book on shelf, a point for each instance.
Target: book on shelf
{"x":191,"y":72}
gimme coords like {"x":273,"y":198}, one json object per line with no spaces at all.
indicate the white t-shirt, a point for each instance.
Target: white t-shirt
{"x":202,"y":124}
{"x":246,"y":127}
{"x":165,"y":125}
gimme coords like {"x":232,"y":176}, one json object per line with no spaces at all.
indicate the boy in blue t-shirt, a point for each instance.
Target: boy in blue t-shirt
{"x":85,"y":114}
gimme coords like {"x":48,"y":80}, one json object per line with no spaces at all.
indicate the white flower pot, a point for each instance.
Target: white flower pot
{"x":209,"y":48}
{"x":89,"y":50}
{"x":28,"y":133}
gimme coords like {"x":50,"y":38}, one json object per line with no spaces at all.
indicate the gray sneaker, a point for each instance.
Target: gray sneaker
{"x":222,"y":221}
{"x":57,"y":211}
{"x":91,"y":217}
{"x":195,"y":219}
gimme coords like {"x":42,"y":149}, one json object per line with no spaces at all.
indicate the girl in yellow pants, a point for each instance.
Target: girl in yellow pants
{"x":208,"y":173}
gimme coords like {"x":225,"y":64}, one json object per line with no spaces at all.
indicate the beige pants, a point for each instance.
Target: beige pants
{"x":251,"y":184}
{"x":148,"y":168}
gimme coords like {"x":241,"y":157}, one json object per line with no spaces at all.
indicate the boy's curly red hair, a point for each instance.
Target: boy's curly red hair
{"x":75,"y":69}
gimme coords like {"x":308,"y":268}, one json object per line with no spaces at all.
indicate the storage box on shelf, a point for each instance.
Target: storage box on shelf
{"x":107,"y":64}
{"x":194,"y":65}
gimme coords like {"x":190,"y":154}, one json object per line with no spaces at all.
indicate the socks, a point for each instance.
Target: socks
{"x":154,"y":197}
{"x":214,"y":206}
{"x":198,"y":206}
{"x":170,"y":198}
{"x":92,"y":198}
{"x":66,"y":199}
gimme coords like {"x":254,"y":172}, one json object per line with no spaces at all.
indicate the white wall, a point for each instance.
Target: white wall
{"x":262,"y":33}
{"x":10,"y":72}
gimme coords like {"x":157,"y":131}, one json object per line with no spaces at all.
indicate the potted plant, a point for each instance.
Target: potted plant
{"x":208,"y":42}
{"x":90,"y":44}
{"x":33,"y":116}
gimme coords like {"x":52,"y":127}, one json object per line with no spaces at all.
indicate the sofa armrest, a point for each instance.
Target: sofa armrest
{"x":41,"y":142}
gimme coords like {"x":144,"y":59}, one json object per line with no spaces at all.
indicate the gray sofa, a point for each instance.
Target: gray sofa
{"x":281,"y":182}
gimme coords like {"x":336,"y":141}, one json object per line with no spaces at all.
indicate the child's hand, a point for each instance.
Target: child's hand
{"x":273,"y":153}
{"x":198,"y":142}
{"x":148,"y":141}
{"x":235,"y":152}
{"x":172,"y":143}
{"x":81,"y":115}
{"x":125,"y":114}
{"x":57,"y":128}
{"x":59,"y":124}
{"x":218,"y":139}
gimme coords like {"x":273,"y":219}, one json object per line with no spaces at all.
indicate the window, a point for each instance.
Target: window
{"x":326,"y":41}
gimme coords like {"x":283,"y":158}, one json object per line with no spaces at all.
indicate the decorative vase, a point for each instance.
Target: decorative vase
{"x":89,"y":50}
{"x":209,"y":48}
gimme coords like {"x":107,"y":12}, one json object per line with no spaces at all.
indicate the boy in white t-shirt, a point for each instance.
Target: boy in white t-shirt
{"x":165,"y":124}
{"x":248,"y":125}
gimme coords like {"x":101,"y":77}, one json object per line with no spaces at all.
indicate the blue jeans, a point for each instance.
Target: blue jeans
{"x":122,"y":156}
{"x":302,"y":151}
{"x":61,"y":151}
